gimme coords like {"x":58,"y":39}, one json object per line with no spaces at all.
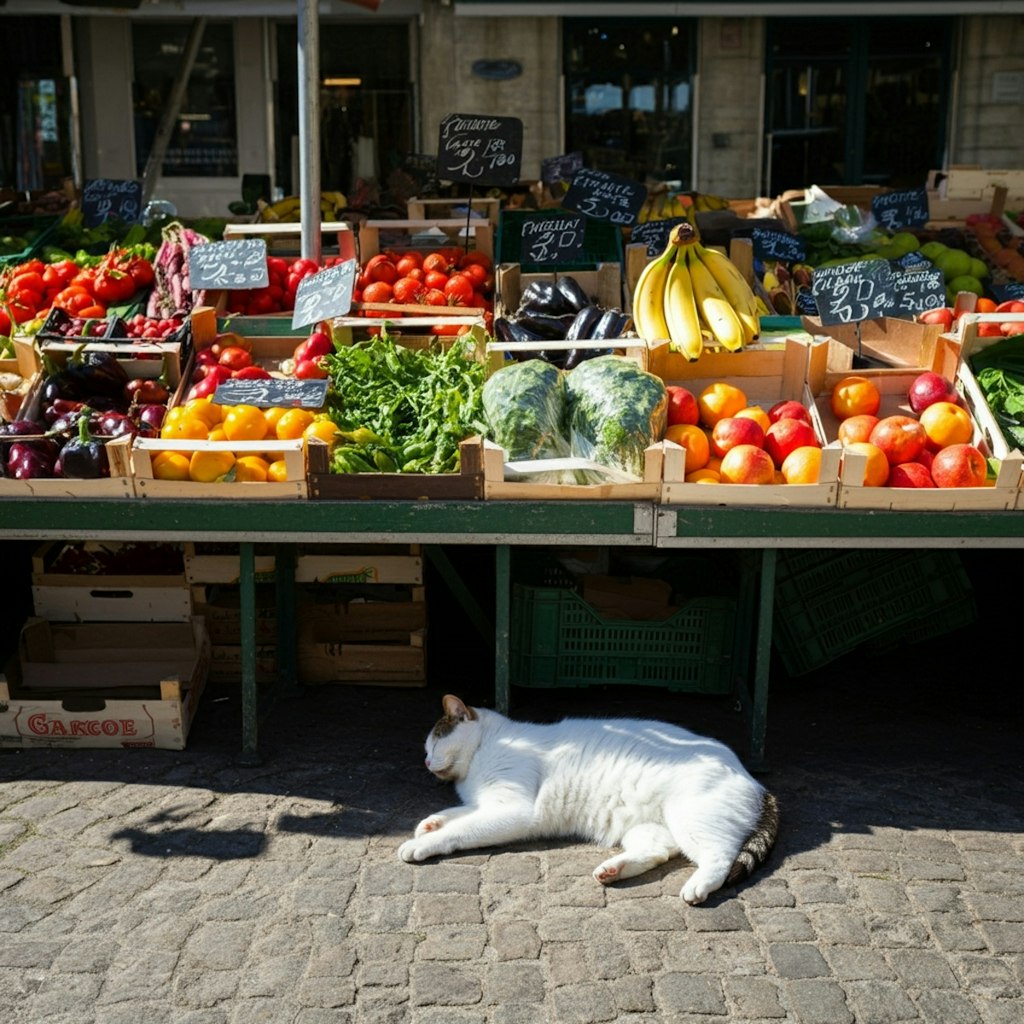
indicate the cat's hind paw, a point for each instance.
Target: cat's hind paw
{"x":609,"y":871}
{"x":431,"y":824}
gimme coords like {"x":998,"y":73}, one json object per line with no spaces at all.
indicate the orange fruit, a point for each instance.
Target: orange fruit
{"x":245,"y":423}
{"x":946,"y":423}
{"x":802,"y":465}
{"x":703,"y":476}
{"x":272,"y":415}
{"x":323,"y":428}
{"x":718,"y":400}
{"x":747,"y":464}
{"x":756,"y":413}
{"x":251,"y":467}
{"x":207,"y":466}
{"x":694,"y":440}
{"x":186,"y":427}
{"x":855,"y":395}
{"x":277,"y":472}
{"x":876,"y":472}
{"x":170,"y":466}
{"x":856,"y":428}
{"x":293,"y":423}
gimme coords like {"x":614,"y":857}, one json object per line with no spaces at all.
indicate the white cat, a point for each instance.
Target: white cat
{"x":654,"y":789}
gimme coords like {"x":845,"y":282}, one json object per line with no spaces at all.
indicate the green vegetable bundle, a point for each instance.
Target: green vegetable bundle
{"x":401,"y":409}
{"x":1000,"y":372}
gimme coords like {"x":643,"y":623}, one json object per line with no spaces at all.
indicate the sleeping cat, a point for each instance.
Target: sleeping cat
{"x":654,"y":789}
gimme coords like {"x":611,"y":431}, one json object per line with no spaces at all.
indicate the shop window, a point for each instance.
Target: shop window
{"x":204,"y":139}
{"x":628,"y":95}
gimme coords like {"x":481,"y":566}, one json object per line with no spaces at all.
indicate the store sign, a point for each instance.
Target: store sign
{"x":325,"y":294}
{"x":551,"y":239}
{"x":111,"y":198}
{"x":237,"y":264}
{"x":605,"y":196}
{"x":478,"y":149}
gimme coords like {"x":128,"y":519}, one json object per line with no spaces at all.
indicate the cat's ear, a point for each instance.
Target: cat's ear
{"x":454,"y":708}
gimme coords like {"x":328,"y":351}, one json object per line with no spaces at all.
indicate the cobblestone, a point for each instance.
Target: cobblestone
{"x":188,"y":888}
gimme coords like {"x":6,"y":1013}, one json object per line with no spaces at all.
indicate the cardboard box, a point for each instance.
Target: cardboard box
{"x":104,"y":685}
{"x":107,"y":597}
{"x":766,"y":376}
{"x":893,"y":384}
{"x":628,"y":597}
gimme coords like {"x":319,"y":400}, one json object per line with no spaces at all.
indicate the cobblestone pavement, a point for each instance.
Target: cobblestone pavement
{"x":144,"y":887}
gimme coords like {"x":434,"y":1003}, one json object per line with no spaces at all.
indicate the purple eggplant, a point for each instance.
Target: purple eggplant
{"x":97,"y":373}
{"x":84,"y":457}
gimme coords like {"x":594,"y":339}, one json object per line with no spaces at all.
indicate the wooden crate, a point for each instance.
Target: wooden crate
{"x":104,"y":684}
{"x":422,"y":209}
{"x":105,"y":597}
{"x":120,"y":483}
{"x":893,"y":385}
{"x":292,"y":452}
{"x":288,"y":235}
{"x":766,"y":376}
{"x":402,"y":234}
{"x":323,"y":661}
{"x":900,"y":344}
{"x":603,"y":285}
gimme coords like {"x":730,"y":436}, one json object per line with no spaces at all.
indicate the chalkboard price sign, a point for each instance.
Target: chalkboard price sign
{"x":560,"y":168}
{"x":106,"y":198}
{"x":269,"y":392}
{"x":777,"y":245}
{"x":655,"y":233}
{"x":551,"y":239}
{"x":851,"y":292}
{"x":917,"y":290}
{"x":237,"y":264}
{"x":324,"y":294}
{"x":480,"y":150}
{"x":905,"y":208}
{"x":1008,"y":291}
{"x":605,"y":196}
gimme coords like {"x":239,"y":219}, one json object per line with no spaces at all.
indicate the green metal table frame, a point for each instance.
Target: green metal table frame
{"x":503,"y":525}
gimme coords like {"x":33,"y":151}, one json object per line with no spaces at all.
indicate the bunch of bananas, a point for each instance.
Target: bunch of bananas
{"x":289,"y":209}
{"x":704,"y":203}
{"x":661,"y":204}
{"x":690,"y":294}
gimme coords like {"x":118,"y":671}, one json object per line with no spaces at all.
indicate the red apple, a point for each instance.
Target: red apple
{"x":902,"y":438}
{"x":910,"y":474}
{"x":786,"y":435}
{"x":789,"y":408}
{"x":747,"y":464}
{"x":730,"y":431}
{"x":682,"y":405}
{"x":928,"y":388}
{"x":959,"y":465}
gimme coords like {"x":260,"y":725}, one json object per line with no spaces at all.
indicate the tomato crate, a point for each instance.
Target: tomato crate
{"x":829,"y":603}
{"x":558,"y":640}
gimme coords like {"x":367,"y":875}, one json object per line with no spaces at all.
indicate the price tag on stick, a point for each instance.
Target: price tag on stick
{"x":850,"y":292}
{"x":480,"y":149}
{"x":777,"y":245}
{"x":236,"y":264}
{"x":655,"y":234}
{"x":551,"y":239}
{"x":905,"y":208}
{"x":325,"y":294}
{"x":605,"y":196}
{"x":105,"y":198}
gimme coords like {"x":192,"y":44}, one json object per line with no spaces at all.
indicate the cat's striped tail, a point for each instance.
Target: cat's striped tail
{"x":759,"y":843}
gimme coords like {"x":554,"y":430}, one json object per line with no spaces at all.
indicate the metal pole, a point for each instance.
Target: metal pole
{"x":166,"y":126}
{"x":309,"y":127}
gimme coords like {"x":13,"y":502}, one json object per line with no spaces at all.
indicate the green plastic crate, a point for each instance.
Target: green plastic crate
{"x":829,"y":603}
{"x":602,"y":242}
{"x":558,"y":640}
{"x":34,"y":230}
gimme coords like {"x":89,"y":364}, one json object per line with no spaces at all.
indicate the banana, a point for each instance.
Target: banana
{"x":649,"y":297}
{"x":734,"y":287}
{"x":681,"y":314}
{"x":715,"y":309}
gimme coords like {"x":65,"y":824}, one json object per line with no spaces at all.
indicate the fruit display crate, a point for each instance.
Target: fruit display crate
{"x":829,"y":603}
{"x":375,"y":236}
{"x":558,"y":640}
{"x":602,"y":241}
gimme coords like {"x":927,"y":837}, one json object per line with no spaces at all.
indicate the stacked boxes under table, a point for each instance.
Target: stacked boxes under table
{"x":360,"y":613}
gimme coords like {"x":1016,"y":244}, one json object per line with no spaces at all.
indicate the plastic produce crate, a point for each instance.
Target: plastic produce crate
{"x":558,"y":640}
{"x":827,"y":604}
{"x":602,"y":242}
{"x":33,"y":229}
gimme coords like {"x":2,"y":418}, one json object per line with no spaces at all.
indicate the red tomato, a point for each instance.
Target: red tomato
{"x":458,"y":290}
{"x":141,"y":271}
{"x":381,"y":268}
{"x":476,"y":272}
{"x":377,"y":291}
{"x":467,"y":259}
{"x":250,"y":373}
{"x":434,"y":297}
{"x":435,"y":261}
{"x":408,"y":261}
{"x":407,"y":291}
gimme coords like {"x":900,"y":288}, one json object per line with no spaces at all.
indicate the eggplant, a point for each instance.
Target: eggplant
{"x":61,"y":384}
{"x":573,"y":294}
{"x":544,"y":297}
{"x":545,"y":324}
{"x":112,"y":424}
{"x":609,"y":325}
{"x":84,"y":457}
{"x":584,"y":323}
{"x":98,"y":373}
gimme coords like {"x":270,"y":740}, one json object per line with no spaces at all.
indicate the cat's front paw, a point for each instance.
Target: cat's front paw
{"x":431,"y":824}
{"x":411,"y":852}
